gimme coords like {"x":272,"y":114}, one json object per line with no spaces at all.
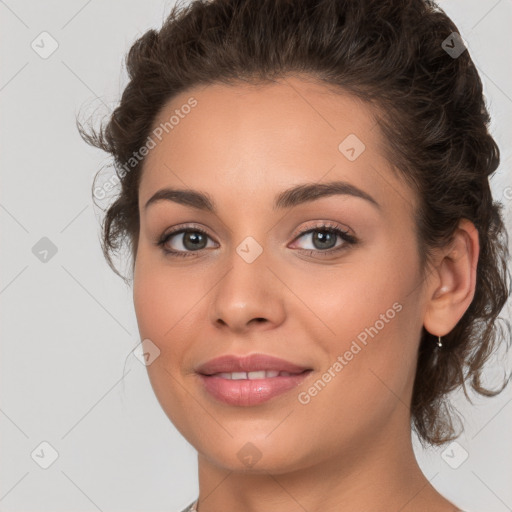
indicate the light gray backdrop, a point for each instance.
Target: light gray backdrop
{"x":68,"y":324}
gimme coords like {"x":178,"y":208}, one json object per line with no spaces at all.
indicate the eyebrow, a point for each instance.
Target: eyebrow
{"x":287,"y":199}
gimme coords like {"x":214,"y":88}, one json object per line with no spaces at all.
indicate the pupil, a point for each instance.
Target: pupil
{"x":321,"y":239}
{"x":195,"y":239}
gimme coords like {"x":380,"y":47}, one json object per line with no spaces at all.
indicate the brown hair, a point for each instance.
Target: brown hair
{"x":431,"y":111}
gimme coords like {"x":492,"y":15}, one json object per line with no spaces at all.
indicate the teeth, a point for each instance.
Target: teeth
{"x":256,"y":375}
{"x":261,"y":374}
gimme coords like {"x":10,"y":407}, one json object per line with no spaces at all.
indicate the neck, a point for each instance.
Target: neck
{"x":379,"y":472}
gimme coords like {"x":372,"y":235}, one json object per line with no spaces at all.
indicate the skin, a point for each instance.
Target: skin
{"x":350,"y":446}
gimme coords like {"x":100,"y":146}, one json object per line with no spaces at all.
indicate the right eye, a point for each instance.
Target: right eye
{"x":190,"y":240}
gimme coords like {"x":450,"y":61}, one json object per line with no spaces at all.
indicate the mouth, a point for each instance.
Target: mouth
{"x":249,"y":380}
{"x":250,"y":366}
{"x":255,"y":375}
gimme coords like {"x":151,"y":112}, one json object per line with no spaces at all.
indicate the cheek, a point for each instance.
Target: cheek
{"x":170,"y":309}
{"x":163,"y":298}
{"x":365,"y":289}
{"x":370,"y":312}
{"x":160,"y":304}
{"x":151,"y":304}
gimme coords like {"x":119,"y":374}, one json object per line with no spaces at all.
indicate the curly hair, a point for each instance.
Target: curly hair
{"x":431,"y":111}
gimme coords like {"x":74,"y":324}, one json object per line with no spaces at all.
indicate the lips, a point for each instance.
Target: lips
{"x":249,"y":380}
{"x":232,"y":364}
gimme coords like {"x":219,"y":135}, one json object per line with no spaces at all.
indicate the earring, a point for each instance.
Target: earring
{"x":439,"y":344}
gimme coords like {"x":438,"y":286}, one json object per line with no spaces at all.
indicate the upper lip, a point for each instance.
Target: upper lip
{"x":249,"y":363}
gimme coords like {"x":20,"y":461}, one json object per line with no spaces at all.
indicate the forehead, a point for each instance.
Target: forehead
{"x":264,"y":137}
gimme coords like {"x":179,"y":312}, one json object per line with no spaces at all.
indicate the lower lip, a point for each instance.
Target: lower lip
{"x":245,"y":392}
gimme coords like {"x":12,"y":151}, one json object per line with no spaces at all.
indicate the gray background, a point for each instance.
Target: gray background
{"x":68,"y":324}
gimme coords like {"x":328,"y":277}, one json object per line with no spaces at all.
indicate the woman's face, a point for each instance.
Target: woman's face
{"x":349,"y":307}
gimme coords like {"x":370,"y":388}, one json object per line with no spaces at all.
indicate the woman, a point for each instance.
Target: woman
{"x":317,"y":258}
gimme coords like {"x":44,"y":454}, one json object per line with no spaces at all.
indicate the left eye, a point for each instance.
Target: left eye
{"x":324,"y":239}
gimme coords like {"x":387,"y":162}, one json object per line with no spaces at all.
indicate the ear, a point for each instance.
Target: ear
{"x":451,"y":284}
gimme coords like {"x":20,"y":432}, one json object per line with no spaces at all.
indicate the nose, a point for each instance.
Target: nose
{"x":248,"y":296}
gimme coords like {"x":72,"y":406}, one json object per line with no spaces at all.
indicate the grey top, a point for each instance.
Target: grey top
{"x":191,"y":507}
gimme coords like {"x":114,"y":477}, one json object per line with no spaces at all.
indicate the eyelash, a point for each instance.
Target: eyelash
{"x":325,"y":227}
